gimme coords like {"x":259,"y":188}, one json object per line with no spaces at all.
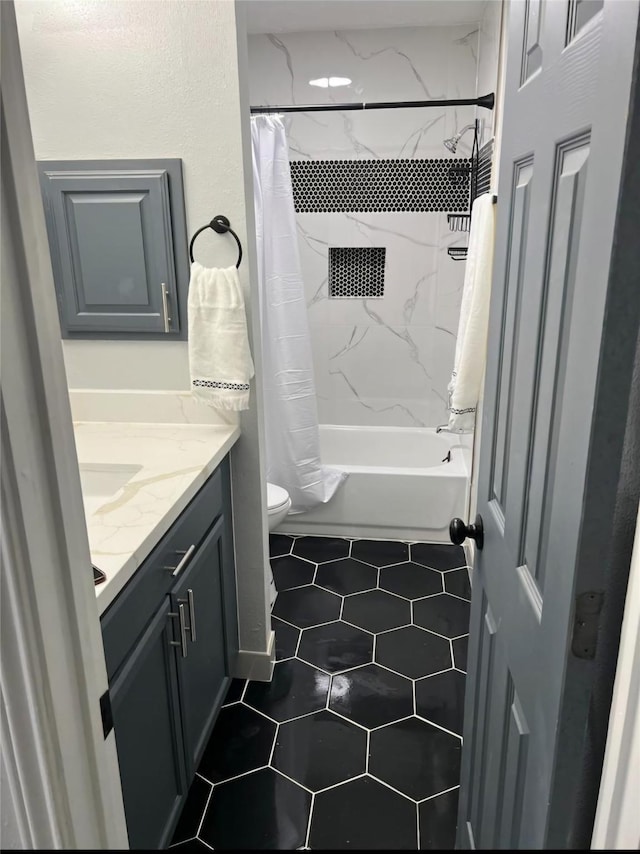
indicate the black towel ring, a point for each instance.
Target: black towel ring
{"x":220,"y":224}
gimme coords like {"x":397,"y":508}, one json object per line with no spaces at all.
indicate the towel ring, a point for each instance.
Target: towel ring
{"x":220,"y":224}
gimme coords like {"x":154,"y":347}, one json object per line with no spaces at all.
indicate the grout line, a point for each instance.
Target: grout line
{"x":328,"y":700}
{"x":437,"y":634}
{"x":308,"y":834}
{"x":239,"y":776}
{"x":204,"y":811}
{"x":453,"y":660}
{"x":437,"y":673}
{"x":298,"y":642}
{"x":297,"y":587}
{"x":415,"y":702}
{"x":182,"y":842}
{"x":446,"y":791}
{"x":206,"y":844}
{"x":291,"y":780}
{"x":455,"y":596}
{"x":437,"y":726}
{"x":360,"y":629}
{"x":418,"y":825}
{"x":397,"y":791}
{"x":366,"y":763}
{"x":273,"y":746}
{"x":341,"y":783}
{"x":349,"y":720}
{"x":391,"y":723}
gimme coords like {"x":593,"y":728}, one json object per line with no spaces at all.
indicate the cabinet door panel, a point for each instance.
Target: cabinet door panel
{"x":202,"y":673}
{"x":117,"y":242}
{"x":147,"y":725}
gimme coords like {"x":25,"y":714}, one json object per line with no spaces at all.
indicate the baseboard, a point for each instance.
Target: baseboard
{"x":256,"y":665}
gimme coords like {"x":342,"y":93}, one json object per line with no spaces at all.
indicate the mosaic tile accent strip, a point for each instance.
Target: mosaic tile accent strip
{"x":356,"y":272}
{"x":337,"y":186}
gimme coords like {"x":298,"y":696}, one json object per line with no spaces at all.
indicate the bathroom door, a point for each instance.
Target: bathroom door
{"x":564,"y":321}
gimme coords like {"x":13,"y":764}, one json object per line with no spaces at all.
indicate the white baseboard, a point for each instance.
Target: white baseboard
{"x":256,"y":665}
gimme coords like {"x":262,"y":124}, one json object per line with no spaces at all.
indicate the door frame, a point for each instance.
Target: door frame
{"x":61,"y":774}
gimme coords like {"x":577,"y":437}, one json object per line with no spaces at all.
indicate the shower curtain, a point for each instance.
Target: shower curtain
{"x":291,"y":415}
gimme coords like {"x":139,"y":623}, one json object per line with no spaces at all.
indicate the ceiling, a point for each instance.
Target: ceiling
{"x":290,"y":16}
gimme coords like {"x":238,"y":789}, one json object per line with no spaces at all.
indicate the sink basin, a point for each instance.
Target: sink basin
{"x":101,"y":481}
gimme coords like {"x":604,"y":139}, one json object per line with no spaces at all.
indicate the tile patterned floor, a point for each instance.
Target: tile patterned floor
{"x":356,"y":741}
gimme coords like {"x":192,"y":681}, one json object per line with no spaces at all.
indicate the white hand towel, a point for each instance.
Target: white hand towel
{"x":219,"y":357}
{"x":471,"y":344}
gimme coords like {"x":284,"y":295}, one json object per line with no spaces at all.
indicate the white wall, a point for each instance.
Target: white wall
{"x":383,"y":361}
{"x":488,"y":57}
{"x":109,"y":79}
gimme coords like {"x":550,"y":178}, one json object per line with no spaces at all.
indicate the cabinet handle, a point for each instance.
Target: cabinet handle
{"x":192,"y":615}
{"x":165,"y":308}
{"x":182,"y":643}
{"x":176,"y":570}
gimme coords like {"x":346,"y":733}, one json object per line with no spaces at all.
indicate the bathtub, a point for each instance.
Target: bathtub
{"x":401,"y":486}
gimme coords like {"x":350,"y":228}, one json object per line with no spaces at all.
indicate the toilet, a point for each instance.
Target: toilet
{"x":278,"y":504}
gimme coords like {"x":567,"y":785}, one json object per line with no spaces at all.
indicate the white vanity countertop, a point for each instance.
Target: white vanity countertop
{"x":171,"y":462}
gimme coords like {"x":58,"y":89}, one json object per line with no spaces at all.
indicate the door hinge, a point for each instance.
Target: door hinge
{"x":107,"y":714}
{"x":585,"y":627}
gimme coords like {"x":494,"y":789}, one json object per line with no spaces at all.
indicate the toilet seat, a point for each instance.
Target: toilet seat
{"x":277,"y":497}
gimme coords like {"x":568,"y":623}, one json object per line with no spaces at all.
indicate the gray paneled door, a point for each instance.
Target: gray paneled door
{"x":568,"y":82}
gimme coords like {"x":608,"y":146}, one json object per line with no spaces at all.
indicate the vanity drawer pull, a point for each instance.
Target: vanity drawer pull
{"x":176,"y":570}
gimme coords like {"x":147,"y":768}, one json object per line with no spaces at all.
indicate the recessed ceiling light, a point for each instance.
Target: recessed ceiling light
{"x":325,"y":82}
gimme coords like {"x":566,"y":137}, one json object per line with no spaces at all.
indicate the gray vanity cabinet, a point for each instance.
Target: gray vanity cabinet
{"x":146,"y":717}
{"x":117,"y":238}
{"x":170,"y":641}
{"x":197,"y":599}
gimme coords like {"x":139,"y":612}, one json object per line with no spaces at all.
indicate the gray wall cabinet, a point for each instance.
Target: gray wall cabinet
{"x":118,"y":242}
{"x":170,"y":644}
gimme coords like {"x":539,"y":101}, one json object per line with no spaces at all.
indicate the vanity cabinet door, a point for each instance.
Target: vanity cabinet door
{"x":148,"y":730}
{"x":202,"y":670}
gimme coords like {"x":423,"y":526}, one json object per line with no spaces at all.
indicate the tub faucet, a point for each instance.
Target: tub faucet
{"x":442,"y":427}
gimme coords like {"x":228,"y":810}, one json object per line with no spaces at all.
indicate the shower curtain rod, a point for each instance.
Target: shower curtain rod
{"x":486,"y":101}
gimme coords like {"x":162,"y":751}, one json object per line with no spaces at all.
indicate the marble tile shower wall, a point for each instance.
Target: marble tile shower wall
{"x":383,"y":361}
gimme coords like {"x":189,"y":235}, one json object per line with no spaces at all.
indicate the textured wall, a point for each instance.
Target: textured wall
{"x":377,"y":361}
{"x":109,"y":79}
{"x":159,"y":79}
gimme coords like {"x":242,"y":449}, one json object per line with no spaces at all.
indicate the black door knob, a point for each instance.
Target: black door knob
{"x":458,"y":531}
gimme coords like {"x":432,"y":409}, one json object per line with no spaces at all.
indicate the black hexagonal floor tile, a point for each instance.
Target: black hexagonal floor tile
{"x":457,"y":582}
{"x":241,"y":741}
{"x":320,"y":549}
{"x":376,"y":611}
{"x":440,"y":699}
{"x":347,"y":576}
{"x":259,"y":810}
{"x":336,"y":646}
{"x":279,"y":544}
{"x":192,"y":811}
{"x":443,"y":614}
{"x":320,"y":750}
{"x":438,"y":818}
{"x":438,"y":555}
{"x":290,"y":572}
{"x":413,"y":652}
{"x":410,"y":580}
{"x":371,"y":696}
{"x":415,"y":758}
{"x":339,"y":822}
{"x":234,"y":691}
{"x":380,"y":553}
{"x":286,"y":639}
{"x":295,"y":689}
{"x":460,"y":651}
{"x":307,"y":606}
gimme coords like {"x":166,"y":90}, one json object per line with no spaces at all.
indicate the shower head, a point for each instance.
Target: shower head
{"x":451,"y":144}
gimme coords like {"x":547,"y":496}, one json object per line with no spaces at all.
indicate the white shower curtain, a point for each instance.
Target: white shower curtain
{"x":291,"y":414}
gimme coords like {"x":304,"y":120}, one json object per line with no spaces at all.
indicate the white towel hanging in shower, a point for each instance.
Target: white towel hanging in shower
{"x":471,"y":344}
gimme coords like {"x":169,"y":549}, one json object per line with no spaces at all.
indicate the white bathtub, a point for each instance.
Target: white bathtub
{"x":400,"y":485}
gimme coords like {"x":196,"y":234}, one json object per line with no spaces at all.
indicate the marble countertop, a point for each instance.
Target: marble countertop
{"x":166,"y":464}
